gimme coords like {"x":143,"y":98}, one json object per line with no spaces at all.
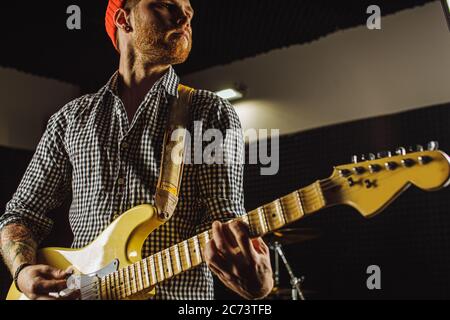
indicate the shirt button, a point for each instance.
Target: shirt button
{"x":116,"y":216}
{"x":121,"y":181}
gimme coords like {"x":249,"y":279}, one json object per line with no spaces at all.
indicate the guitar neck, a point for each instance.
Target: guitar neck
{"x":145,"y":274}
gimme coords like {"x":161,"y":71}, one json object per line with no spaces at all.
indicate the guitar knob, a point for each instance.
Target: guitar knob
{"x":363,"y":158}
{"x":400,"y":151}
{"x":433,"y":145}
{"x":372,"y":157}
{"x":419,"y":148}
{"x":355,"y":159}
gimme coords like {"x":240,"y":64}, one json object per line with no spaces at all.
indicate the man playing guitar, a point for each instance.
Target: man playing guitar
{"x":105,"y":148}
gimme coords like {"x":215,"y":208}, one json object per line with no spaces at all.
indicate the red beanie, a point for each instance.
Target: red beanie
{"x":111,"y":29}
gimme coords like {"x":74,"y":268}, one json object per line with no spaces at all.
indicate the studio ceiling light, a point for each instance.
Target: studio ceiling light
{"x":230,"y":94}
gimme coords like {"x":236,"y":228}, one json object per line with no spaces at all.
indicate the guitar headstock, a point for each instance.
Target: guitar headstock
{"x":370,"y":183}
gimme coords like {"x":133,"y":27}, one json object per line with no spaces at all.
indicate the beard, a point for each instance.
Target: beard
{"x":154,"y":44}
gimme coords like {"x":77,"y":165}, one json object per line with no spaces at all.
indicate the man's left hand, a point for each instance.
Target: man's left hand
{"x":241,"y":263}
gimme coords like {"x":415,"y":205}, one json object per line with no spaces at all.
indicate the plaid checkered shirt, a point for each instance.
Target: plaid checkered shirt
{"x":90,"y":149}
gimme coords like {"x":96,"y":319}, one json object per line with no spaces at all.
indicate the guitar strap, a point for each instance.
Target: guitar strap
{"x":172,"y":162}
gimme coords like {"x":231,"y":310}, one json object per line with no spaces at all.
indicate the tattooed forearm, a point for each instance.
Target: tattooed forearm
{"x":17,"y":246}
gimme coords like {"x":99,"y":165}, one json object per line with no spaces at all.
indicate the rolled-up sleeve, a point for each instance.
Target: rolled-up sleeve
{"x":45,"y":183}
{"x":220,"y":184}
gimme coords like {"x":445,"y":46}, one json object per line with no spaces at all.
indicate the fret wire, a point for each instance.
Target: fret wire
{"x":151,"y":260}
{"x":133,"y":279}
{"x":279,"y":204}
{"x":111,"y":285}
{"x":204,"y":238}
{"x":250,"y":225}
{"x":257,"y":222}
{"x":197,"y":252}
{"x":299,"y":196}
{"x":118,"y":286}
{"x":140,"y":280}
{"x":187,"y":254}
{"x":154,"y":261}
{"x":130,"y":282}
{"x":207,"y":237}
{"x":122,"y":281}
{"x":146,"y":272}
{"x":160,"y":266}
{"x":202,"y":244}
{"x":101,"y":287}
{"x":254,"y":225}
{"x":127,"y":281}
{"x":176,"y":254}
{"x":106,"y":288}
{"x":262,"y":219}
{"x":136,"y":276}
{"x":168,"y":265}
{"x":192,"y":252}
{"x":197,"y":249}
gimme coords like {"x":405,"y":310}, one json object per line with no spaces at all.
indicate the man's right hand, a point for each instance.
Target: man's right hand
{"x":37,"y":281}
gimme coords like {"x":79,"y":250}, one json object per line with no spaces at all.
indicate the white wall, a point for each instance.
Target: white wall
{"x":349,"y":75}
{"x":26,"y":102}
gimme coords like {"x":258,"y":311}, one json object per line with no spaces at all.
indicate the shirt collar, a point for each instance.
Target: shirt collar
{"x":168,"y":82}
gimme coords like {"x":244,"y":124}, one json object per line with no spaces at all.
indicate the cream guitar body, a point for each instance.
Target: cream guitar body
{"x":111,"y":267}
{"x":118,"y":246}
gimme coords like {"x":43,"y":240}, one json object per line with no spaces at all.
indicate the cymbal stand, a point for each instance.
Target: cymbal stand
{"x":295,"y":282}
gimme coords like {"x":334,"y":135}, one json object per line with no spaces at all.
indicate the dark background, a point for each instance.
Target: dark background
{"x":410,"y":240}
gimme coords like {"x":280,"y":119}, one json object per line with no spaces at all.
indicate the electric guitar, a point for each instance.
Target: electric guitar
{"x":111,"y":267}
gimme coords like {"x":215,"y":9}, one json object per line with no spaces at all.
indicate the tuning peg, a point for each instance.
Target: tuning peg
{"x":372,"y":157}
{"x":384,"y":154}
{"x":363,"y":157}
{"x":401,"y":151}
{"x":355,"y":159}
{"x":433,"y":145}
